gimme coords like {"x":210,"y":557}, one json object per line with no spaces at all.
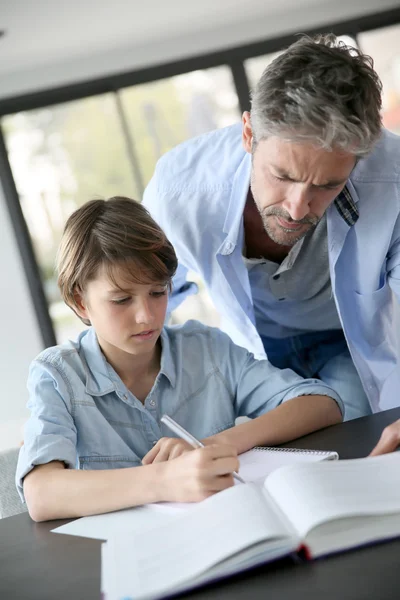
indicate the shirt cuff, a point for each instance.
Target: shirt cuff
{"x":315,"y":387}
{"x":52,"y":448}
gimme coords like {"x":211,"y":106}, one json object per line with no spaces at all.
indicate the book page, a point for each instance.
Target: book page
{"x":188,"y":545}
{"x":313,"y":494}
{"x":255,"y":465}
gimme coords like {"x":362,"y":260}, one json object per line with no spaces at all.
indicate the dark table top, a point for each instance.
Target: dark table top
{"x":38,"y":565}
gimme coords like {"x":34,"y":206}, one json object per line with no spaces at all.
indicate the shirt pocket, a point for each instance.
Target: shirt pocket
{"x":98,"y":463}
{"x":374,"y":313}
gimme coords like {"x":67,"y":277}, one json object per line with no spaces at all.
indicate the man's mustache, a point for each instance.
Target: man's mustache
{"x":278,"y":212}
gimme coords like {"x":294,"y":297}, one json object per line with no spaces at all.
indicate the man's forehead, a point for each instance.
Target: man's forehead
{"x":296,"y":159}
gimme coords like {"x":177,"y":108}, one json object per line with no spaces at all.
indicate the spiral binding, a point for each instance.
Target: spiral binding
{"x":306,"y":451}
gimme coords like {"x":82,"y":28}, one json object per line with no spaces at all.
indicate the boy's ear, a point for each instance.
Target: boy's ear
{"x":80,"y":304}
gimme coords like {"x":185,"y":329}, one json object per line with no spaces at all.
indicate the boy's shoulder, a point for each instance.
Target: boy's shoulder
{"x":79,"y":364}
{"x":61,"y":352}
{"x":194,"y":336}
{"x":73,"y":358}
{"x":193,"y":328}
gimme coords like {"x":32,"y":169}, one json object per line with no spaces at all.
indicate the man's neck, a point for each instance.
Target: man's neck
{"x":258,"y":243}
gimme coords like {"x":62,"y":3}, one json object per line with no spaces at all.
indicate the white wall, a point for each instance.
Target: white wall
{"x":20,"y":338}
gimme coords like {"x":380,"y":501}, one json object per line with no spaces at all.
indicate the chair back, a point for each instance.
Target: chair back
{"x":10,"y":502}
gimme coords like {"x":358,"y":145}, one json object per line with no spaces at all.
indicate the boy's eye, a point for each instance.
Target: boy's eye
{"x":120,"y":301}
{"x":159,"y":294}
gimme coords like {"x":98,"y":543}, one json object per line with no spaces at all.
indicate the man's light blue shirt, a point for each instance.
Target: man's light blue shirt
{"x":197,"y":195}
{"x":83,"y":414}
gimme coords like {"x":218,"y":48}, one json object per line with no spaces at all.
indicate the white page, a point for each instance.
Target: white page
{"x":351,"y":532}
{"x":102,"y":527}
{"x":256,"y":465}
{"x":313,"y":494}
{"x":147,"y":563}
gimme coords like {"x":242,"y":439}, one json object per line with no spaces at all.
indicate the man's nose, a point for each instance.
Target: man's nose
{"x":297,"y":202}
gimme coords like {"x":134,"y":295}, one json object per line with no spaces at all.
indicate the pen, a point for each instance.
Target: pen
{"x":189,"y":438}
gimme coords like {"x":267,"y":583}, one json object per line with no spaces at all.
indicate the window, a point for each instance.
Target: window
{"x":255,"y":67}
{"x":61,"y":157}
{"x":161,"y":114}
{"x":104,"y":146}
{"x":383,"y":45}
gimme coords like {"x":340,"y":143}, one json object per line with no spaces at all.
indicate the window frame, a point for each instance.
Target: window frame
{"x":234,"y":58}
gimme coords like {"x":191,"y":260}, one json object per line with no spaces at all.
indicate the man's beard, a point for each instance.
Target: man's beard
{"x":280,"y":235}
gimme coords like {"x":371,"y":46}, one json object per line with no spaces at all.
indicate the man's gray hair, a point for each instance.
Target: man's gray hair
{"x":320,"y":91}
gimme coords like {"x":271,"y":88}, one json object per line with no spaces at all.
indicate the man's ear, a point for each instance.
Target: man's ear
{"x":247,"y":132}
{"x":80,"y":304}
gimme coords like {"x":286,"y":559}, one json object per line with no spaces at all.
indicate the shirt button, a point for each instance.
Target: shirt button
{"x":125,"y":396}
{"x":152,"y":403}
{"x":228,"y":248}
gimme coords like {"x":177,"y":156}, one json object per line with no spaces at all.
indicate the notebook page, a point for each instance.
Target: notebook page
{"x":147,"y":563}
{"x":312,"y":494}
{"x":255,"y":464}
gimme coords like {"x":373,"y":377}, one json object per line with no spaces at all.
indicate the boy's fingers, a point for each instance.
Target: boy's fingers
{"x":149,"y":457}
{"x":220,"y":451}
{"x":225,"y":466}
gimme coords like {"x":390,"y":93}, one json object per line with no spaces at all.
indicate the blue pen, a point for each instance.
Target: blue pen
{"x":189,"y":438}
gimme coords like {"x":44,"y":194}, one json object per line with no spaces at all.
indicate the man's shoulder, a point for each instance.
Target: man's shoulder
{"x":208,"y":160}
{"x":383,"y":163}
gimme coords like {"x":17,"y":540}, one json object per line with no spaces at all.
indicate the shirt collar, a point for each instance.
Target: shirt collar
{"x":346,"y":206}
{"x":168,"y":365}
{"x":101,"y":378}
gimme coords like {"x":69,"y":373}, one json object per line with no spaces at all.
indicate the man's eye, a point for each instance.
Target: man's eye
{"x":328,"y":187}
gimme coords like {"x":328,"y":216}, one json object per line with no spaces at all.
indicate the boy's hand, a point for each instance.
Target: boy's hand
{"x":166,"y":449}
{"x":389,"y":440}
{"x":196,"y":475}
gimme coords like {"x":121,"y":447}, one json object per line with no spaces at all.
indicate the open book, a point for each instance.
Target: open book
{"x":327,"y":507}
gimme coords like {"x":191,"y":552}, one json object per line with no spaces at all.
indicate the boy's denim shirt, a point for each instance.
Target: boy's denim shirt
{"x":83,"y":415}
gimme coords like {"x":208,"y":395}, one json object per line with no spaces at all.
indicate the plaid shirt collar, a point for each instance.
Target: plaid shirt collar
{"x":346,"y":207}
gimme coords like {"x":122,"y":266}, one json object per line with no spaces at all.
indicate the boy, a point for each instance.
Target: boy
{"x":94,"y":442}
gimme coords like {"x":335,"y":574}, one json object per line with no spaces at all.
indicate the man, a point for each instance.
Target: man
{"x":293,"y":222}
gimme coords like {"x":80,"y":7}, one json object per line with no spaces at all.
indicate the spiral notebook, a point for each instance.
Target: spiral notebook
{"x":259,"y":462}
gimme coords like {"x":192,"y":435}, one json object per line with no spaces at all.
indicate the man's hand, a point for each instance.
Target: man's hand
{"x":166,"y":449}
{"x":389,"y":440}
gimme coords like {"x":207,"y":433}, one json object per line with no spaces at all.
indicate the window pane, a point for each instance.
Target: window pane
{"x":61,"y":157}
{"x":255,"y":67}
{"x":163,"y":113}
{"x":384,"y":47}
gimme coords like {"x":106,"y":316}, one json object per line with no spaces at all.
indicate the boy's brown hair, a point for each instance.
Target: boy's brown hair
{"x":118,"y":232}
